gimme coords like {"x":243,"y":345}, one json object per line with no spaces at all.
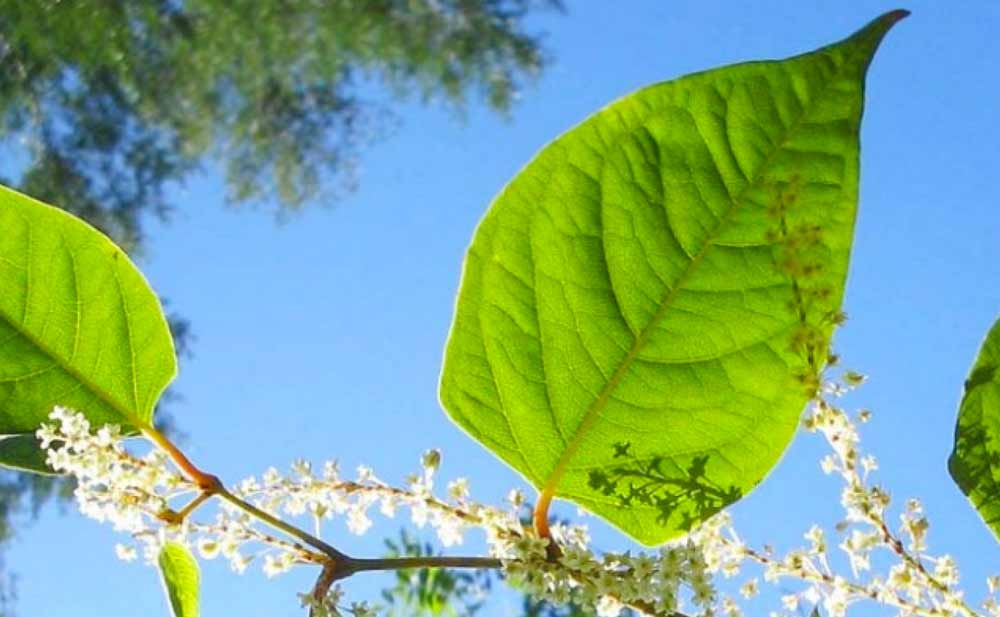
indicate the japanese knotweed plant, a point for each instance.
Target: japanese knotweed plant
{"x":645,"y":312}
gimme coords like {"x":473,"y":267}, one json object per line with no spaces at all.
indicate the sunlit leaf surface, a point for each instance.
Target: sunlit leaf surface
{"x":645,"y":308}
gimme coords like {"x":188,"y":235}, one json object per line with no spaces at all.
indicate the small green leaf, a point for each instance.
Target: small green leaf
{"x":181,"y":579}
{"x":646,"y":307}
{"x":975,"y":462}
{"x":79,"y":325}
{"x":23,"y":452}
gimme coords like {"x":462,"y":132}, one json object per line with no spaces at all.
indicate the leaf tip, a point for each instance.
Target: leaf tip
{"x":893,"y":17}
{"x":866,"y":41}
{"x":878,"y":27}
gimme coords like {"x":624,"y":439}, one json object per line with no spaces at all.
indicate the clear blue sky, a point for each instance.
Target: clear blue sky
{"x":322,"y":337}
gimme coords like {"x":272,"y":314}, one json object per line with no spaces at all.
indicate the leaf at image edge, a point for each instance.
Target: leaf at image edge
{"x":572,"y":358}
{"x":974,"y":463}
{"x":181,"y":579}
{"x":24,"y":453}
{"x":80,"y":326}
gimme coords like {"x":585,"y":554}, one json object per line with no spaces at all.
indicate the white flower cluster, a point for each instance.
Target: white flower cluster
{"x":136,"y":495}
{"x":914,"y":583}
{"x":609,"y":582}
{"x":114,"y":486}
{"x":326,"y":494}
{"x":647,"y":583}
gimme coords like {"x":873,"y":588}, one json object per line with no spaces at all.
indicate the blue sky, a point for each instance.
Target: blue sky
{"x":322,"y":337}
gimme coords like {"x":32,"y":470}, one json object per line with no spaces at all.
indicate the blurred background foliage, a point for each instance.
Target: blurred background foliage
{"x":107,"y":104}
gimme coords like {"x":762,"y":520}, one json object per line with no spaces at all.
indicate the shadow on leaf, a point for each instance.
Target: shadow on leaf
{"x":662,"y":484}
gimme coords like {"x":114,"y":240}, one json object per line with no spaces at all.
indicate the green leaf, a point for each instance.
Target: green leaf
{"x":645,"y":308}
{"x":181,"y":579}
{"x":975,"y":462}
{"x":79,"y":326}
{"x":24,"y":453}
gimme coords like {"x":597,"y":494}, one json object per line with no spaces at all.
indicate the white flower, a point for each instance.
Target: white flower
{"x":946,"y":570}
{"x":357,"y":521}
{"x":331,"y":471}
{"x":208,"y":548}
{"x":248,"y":486}
{"x":816,"y":539}
{"x":729,"y":608}
{"x":458,"y":489}
{"x":993,"y":583}
{"x":366,"y":475}
{"x":125,"y":552}
{"x":431,"y":460}
{"x":239,"y":563}
{"x":271,"y":478}
{"x":275,"y":565}
{"x":828,"y":464}
{"x":449,"y":530}
{"x":992,"y":607}
{"x":516,"y":498}
{"x":869,"y":463}
{"x":608,"y":607}
{"x":302,"y":468}
{"x":790,"y":602}
{"x":388,"y":506}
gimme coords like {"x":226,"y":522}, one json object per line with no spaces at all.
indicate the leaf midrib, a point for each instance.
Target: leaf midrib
{"x":551,"y":483}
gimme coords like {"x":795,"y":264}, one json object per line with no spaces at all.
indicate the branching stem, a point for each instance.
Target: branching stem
{"x":207,"y":482}
{"x":211,"y":485}
{"x":334,"y":555}
{"x":339,"y":564}
{"x":176,"y":518}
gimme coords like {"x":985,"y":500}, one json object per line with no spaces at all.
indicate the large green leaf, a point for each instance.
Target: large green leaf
{"x":79,"y":327}
{"x":975,"y":462}
{"x":645,"y":308}
{"x":181,"y":579}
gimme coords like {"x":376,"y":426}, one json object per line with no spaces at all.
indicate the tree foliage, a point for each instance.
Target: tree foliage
{"x":116,"y":99}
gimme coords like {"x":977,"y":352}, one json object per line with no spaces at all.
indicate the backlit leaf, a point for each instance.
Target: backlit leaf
{"x":79,"y":326}
{"x":23,"y":452}
{"x":645,"y":308}
{"x":181,"y":579}
{"x":975,"y":462}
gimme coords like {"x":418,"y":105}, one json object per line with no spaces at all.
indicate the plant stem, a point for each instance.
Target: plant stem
{"x":340,"y":565}
{"x":176,"y":518}
{"x":540,"y":516}
{"x":326,"y":579}
{"x":281,"y":525}
{"x":211,"y":485}
{"x":207,"y":482}
{"x":402,"y":563}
